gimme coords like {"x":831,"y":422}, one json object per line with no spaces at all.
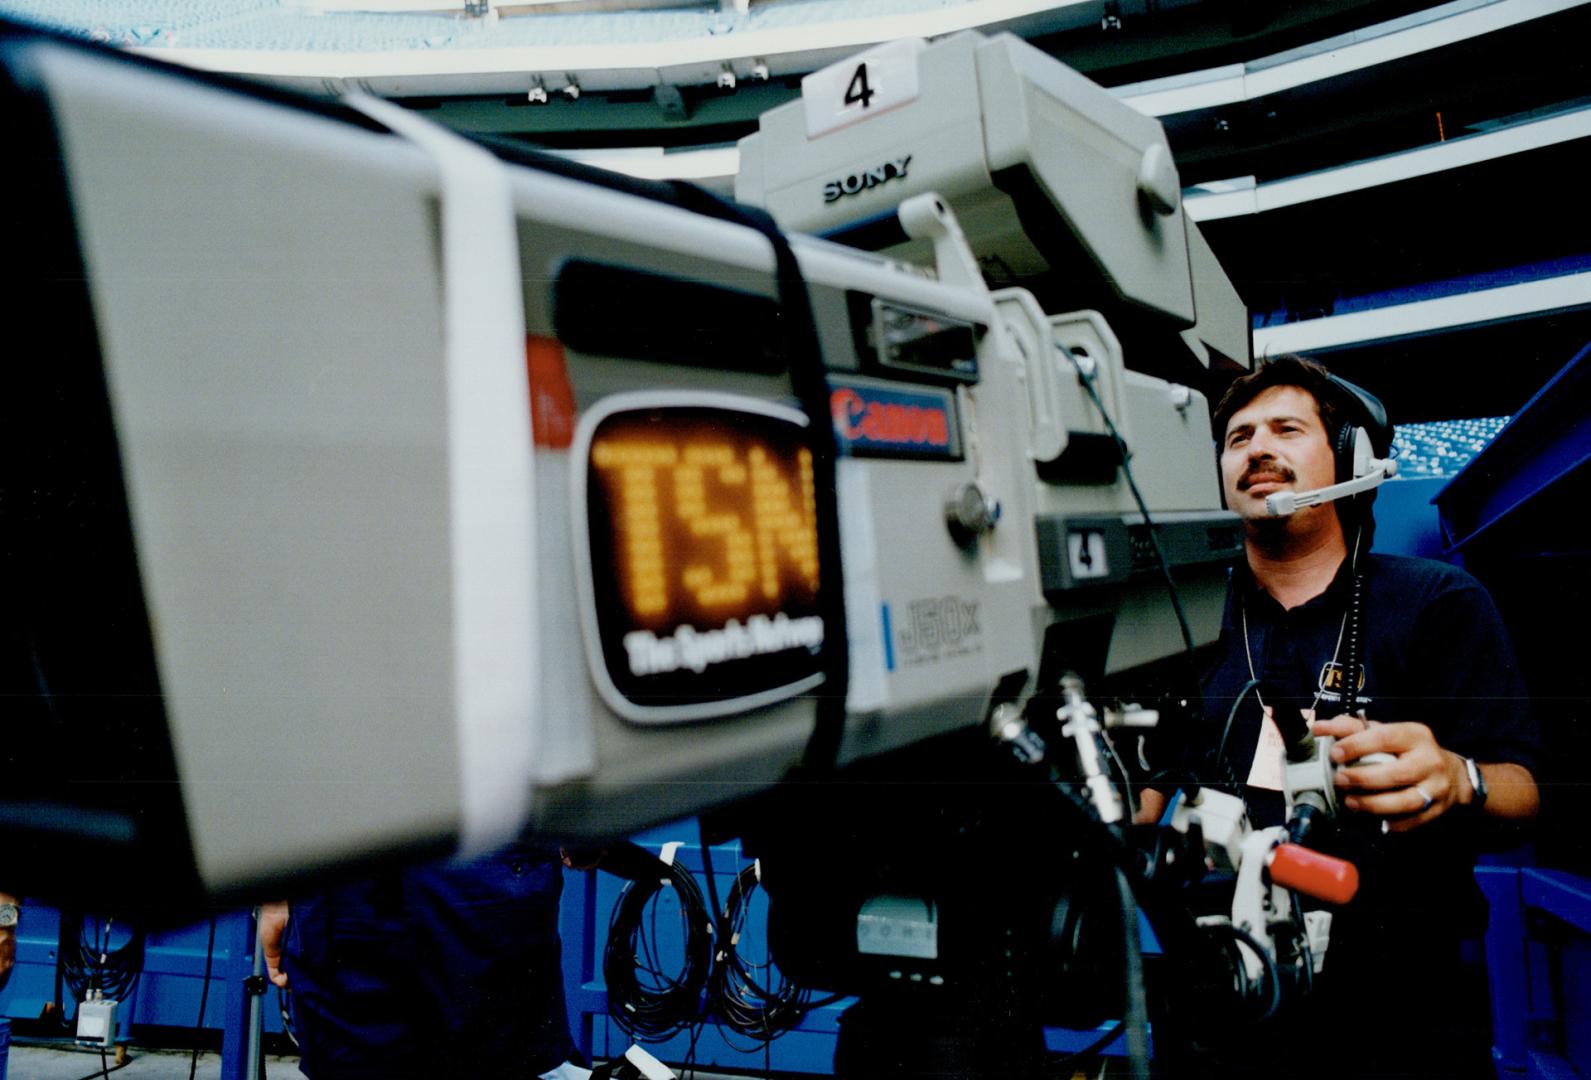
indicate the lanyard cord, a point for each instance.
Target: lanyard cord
{"x":1319,"y":691}
{"x":1353,"y":613}
{"x":1353,"y":620}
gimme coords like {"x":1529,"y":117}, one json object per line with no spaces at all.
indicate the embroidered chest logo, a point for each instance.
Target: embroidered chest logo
{"x":1332,"y":678}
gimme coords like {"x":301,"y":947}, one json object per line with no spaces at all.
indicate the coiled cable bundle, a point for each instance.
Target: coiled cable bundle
{"x":94,"y":965}
{"x":754,"y":1000}
{"x":646,"y":998}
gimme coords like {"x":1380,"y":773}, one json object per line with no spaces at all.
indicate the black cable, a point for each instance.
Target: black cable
{"x":690,"y":1052}
{"x":1306,"y":953}
{"x":1234,"y":958}
{"x":736,"y":997}
{"x":757,"y":1008}
{"x":1226,"y":730}
{"x":204,"y":999}
{"x":102,"y":1071}
{"x":95,"y":971}
{"x":1143,"y":508}
{"x":1352,"y":633}
{"x":1190,"y":949}
{"x":810,"y":384}
{"x":91,"y":964}
{"x":644,"y":1000}
{"x":62,"y":950}
{"x":1245,"y":987}
{"x":721,"y":918}
{"x":1353,"y":630}
{"x":1135,"y":1012}
{"x":1270,"y":972}
{"x":282,"y":997}
{"x":1126,"y":778}
{"x":718,"y":913}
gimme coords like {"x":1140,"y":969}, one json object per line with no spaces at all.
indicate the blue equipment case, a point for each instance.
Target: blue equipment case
{"x":170,"y":989}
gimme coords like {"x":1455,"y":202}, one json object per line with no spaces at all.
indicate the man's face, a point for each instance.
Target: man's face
{"x":1276,"y":442}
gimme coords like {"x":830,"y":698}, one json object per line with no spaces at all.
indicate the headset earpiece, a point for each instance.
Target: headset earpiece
{"x":1363,"y":416}
{"x":1342,"y":450}
{"x":1364,"y":433}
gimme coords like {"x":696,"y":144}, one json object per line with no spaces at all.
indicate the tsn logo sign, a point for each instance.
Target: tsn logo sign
{"x":858,"y":182}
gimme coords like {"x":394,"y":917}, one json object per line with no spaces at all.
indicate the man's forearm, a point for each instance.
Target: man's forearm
{"x":1511,"y":793}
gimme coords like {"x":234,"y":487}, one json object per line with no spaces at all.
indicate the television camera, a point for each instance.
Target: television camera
{"x":376,"y":492}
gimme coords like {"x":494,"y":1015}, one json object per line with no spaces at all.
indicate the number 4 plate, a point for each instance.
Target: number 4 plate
{"x":860,"y":87}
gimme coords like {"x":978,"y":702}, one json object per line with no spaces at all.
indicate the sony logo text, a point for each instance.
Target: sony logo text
{"x":857,"y":182}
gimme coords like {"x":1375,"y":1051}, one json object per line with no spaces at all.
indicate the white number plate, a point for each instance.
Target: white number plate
{"x":861,"y":86}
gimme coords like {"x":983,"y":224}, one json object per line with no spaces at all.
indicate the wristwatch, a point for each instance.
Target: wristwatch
{"x":9,"y":913}
{"x":1477,"y":782}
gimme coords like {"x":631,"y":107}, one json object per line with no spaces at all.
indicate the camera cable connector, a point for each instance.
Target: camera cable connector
{"x":1079,"y":722}
{"x":1008,"y":726}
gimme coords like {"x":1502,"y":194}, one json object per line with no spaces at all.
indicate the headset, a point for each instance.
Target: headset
{"x":1369,"y":418}
{"x":1361,"y":447}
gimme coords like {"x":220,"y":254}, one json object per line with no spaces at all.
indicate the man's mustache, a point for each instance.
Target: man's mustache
{"x":1265,"y":471}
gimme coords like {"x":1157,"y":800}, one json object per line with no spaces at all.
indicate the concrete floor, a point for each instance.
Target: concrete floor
{"x":51,"y":1063}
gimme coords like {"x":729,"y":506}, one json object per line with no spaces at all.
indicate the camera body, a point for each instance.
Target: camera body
{"x":385,"y":496}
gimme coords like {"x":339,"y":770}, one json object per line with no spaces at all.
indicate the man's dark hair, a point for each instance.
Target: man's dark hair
{"x":1307,"y":375}
{"x":1286,"y":370}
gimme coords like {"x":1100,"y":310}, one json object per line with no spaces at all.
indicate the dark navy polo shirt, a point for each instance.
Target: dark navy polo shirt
{"x":1433,"y":650}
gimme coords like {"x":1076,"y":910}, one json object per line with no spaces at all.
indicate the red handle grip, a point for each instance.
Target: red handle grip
{"x":1313,"y":874}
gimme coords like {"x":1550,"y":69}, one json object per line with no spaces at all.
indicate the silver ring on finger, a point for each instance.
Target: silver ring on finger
{"x":1426,"y":796}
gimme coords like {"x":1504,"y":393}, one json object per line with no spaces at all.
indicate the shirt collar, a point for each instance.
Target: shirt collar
{"x":1245,"y":586}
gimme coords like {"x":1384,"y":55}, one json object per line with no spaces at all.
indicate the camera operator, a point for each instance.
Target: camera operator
{"x":1439,"y":691}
